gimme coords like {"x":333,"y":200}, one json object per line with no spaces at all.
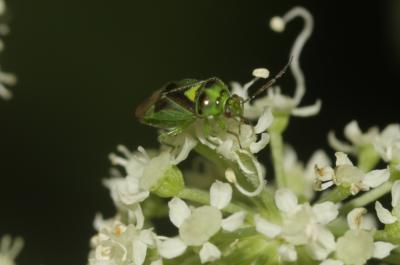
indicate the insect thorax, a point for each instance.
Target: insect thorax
{"x":212,"y":97}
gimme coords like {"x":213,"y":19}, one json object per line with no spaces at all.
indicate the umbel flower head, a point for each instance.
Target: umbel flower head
{"x":310,"y":213}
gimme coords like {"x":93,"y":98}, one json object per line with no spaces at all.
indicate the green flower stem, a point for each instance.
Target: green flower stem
{"x":368,"y":158}
{"x":277,"y":157}
{"x":367,"y":197}
{"x":338,"y":226}
{"x":275,"y":131}
{"x":203,"y":197}
{"x":336,"y":195}
{"x":273,"y":214}
{"x":387,"y":236}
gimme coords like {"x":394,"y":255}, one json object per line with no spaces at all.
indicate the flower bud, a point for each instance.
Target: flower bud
{"x":170,"y":184}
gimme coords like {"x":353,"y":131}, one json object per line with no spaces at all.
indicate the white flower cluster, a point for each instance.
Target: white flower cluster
{"x":313,"y":213}
{"x":386,"y":143}
{"x":6,"y":79}
{"x":349,"y":176}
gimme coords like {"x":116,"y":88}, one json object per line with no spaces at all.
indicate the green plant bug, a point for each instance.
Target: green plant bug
{"x":179,"y":104}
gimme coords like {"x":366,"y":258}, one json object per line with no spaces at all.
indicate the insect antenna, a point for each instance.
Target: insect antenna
{"x":271,"y":82}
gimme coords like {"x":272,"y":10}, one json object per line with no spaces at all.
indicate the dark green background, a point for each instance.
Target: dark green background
{"x":84,"y":65}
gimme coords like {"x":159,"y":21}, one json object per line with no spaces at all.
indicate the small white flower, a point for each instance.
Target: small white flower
{"x":302,"y":225}
{"x":126,"y":191}
{"x":198,"y":225}
{"x":345,"y":173}
{"x":387,"y":144}
{"x":384,"y":215}
{"x":355,"y":136}
{"x":301,"y":178}
{"x":143,"y":172}
{"x":117,"y":243}
{"x":209,"y":252}
{"x":357,"y":245}
{"x":9,"y":249}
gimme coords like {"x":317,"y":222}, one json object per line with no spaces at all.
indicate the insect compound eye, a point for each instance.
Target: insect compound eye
{"x":209,"y":84}
{"x":204,"y":100}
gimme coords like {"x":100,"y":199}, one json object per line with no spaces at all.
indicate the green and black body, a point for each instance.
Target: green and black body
{"x":178,"y":104}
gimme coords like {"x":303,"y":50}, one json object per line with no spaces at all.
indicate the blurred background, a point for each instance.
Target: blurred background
{"x":84,"y":65}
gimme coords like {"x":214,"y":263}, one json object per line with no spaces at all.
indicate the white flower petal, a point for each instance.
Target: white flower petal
{"x":147,"y":237}
{"x":369,"y":222}
{"x":322,"y":244}
{"x":220,"y":194}
{"x":331,"y":262}
{"x":171,"y":248}
{"x":308,"y":110}
{"x":237,"y":89}
{"x":261,"y":73}
{"x":325,"y":173}
{"x":396,"y":194}
{"x":384,"y":214}
{"x":287,"y":253}
{"x":286,"y":200}
{"x":320,"y":159}
{"x":201,"y":225}
{"x":230,"y":175}
{"x":256,"y":147}
{"x":376,"y":178}
{"x":178,"y":211}
{"x":209,"y":252}
{"x":342,"y":159}
{"x":155,"y":169}
{"x":138,"y":215}
{"x":326,"y":185}
{"x":325,"y":212}
{"x":353,"y":132}
{"x":266,"y":228}
{"x":139,"y":252}
{"x":130,"y":199}
{"x":355,"y":218}
{"x":233,"y":222}
{"x":338,"y":145}
{"x":290,"y":159}
{"x":355,"y":247}
{"x":382,"y":249}
{"x":188,"y":145}
{"x":264,"y":122}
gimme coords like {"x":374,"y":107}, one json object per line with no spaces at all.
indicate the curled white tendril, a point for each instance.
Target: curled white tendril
{"x":278,"y":24}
